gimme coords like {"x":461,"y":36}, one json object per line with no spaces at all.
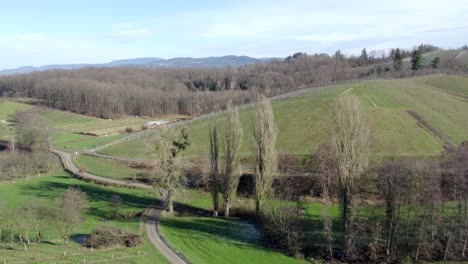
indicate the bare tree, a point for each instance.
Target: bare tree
{"x":350,"y":144}
{"x":169,"y":144}
{"x":214,"y":172}
{"x":232,"y":171}
{"x":25,"y":220}
{"x":264,"y":145}
{"x":69,"y":210}
{"x":116,"y":203}
{"x":326,"y":164}
{"x":33,"y":131}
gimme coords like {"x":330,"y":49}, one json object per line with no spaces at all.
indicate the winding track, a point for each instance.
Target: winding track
{"x":152,"y":214}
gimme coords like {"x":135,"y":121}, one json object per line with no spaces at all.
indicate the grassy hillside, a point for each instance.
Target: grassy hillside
{"x":458,"y":57}
{"x":305,"y":122}
{"x":7,"y":108}
{"x":454,"y":84}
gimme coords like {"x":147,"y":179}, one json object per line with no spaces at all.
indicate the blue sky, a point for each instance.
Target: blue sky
{"x":60,"y":32}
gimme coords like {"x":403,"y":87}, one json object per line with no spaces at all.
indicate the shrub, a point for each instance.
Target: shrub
{"x":105,"y":237}
{"x":195,"y":177}
{"x":283,"y":224}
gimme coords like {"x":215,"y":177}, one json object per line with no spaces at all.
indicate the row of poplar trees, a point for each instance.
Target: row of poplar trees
{"x":225,"y":179}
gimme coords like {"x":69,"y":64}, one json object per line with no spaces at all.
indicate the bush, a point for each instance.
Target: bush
{"x":195,"y":177}
{"x":245,"y":209}
{"x":283,"y":224}
{"x":140,"y":165}
{"x":105,"y":237}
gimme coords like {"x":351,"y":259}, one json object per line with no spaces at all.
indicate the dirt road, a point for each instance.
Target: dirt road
{"x":152,"y":230}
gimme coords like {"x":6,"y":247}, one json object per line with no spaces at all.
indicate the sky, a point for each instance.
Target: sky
{"x":64,"y":32}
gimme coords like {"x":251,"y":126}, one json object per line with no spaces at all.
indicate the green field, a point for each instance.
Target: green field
{"x":218,"y":240}
{"x":7,"y":108}
{"x":46,"y":189}
{"x":70,"y":141}
{"x":107,"y":167}
{"x":305,"y":122}
{"x":444,"y":112}
{"x":455,"y":84}
{"x":134,"y":149}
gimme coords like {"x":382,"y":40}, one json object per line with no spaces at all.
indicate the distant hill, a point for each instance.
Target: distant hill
{"x":186,"y":62}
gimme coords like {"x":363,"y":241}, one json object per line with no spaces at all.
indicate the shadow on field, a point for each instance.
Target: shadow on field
{"x":95,"y":194}
{"x":131,"y":198}
{"x":229,"y":230}
{"x":184,"y":209}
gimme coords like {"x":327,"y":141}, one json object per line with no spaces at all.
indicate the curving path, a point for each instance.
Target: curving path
{"x":152,"y":214}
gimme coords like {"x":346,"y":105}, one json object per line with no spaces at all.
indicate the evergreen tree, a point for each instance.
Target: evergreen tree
{"x":339,"y":55}
{"x":364,"y":58}
{"x":416,"y":60}
{"x":397,"y":60}
{"x":435,"y":63}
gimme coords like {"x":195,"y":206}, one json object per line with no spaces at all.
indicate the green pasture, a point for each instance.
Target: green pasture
{"x":45,"y":189}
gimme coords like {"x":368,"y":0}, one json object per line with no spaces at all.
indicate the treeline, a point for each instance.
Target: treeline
{"x":114,"y":92}
{"x":111,"y":93}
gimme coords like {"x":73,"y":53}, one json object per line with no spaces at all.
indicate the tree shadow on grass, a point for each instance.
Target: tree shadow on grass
{"x":95,"y":194}
{"x":229,"y":230}
{"x":135,"y":199}
{"x":184,"y":209}
{"x":315,"y":242}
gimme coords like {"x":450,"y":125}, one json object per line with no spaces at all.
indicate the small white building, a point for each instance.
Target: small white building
{"x":155,"y":123}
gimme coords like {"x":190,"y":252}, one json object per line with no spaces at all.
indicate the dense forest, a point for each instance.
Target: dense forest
{"x":114,"y":92}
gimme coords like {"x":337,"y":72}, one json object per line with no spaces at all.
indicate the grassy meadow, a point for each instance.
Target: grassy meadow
{"x":107,"y":167}
{"x":7,"y":108}
{"x":45,"y":189}
{"x":219,"y":240}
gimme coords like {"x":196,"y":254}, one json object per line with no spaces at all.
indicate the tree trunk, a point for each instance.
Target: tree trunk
{"x":447,"y":248}
{"x":464,"y":245}
{"x":169,"y":203}
{"x":227,"y":203}
{"x":345,"y":222}
{"x":258,"y":207}
{"x":25,"y":245}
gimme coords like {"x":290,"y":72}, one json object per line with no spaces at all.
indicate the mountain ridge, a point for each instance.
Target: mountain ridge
{"x":149,"y":62}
